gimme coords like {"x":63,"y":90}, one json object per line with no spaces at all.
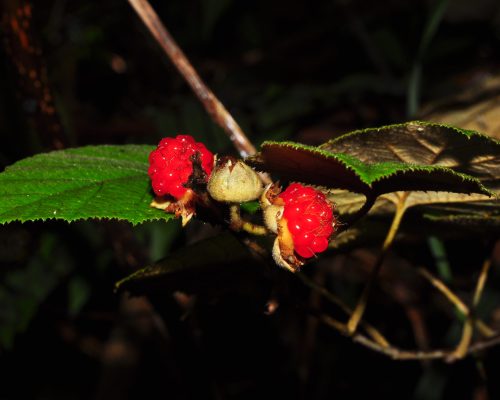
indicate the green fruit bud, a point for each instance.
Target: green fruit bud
{"x":233,"y":181}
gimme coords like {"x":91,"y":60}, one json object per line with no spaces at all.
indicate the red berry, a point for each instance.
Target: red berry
{"x":171,"y":165}
{"x":309,"y":218}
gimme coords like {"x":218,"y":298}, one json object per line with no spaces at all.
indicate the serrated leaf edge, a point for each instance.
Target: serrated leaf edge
{"x":403,"y":167}
{"x":465,"y":132}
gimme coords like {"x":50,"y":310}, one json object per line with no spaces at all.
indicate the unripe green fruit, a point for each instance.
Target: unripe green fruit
{"x":233,"y":181}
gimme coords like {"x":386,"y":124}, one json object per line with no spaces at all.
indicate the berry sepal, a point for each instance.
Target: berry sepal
{"x":185,"y":207}
{"x":283,"y":249}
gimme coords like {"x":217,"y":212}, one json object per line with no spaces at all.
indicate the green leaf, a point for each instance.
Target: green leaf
{"x":207,"y":263}
{"x":463,"y":151}
{"x":250,"y":207}
{"x":424,"y":143}
{"x":298,"y":162}
{"x":405,"y":157}
{"x":88,"y":182}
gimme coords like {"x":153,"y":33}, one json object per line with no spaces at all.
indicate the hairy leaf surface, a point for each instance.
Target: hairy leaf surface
{"x":81,"y":183}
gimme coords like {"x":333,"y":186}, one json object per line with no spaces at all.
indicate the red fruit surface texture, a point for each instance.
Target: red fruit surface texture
{"x":309,"y":217}
{"x":170,"y":165}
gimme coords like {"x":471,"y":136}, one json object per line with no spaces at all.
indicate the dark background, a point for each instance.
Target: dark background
{"x":306,"y":71}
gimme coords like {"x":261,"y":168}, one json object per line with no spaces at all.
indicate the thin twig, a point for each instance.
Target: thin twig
{"x":441,"y":286}
{"x":356,"y":316}
{"x":377,"y":342}
{"x":213,"y":106}
{"x":375,"y":334}
{"x":239,"y":224}
{"x":406,"y":355}
{"x":462,"y":346}
{"x":468,"y":328}
{"x":481,"y":326}
{"x":481,"y":282}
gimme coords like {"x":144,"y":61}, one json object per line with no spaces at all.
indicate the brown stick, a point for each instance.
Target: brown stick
{"x":376,"y":342}
{"x":484,"y":329}
{"x":370,"y":330}
{"x":468,"y":329}
{"x":213,"y":106}
{"x":406,"y":355}
{"x":359,"y":310}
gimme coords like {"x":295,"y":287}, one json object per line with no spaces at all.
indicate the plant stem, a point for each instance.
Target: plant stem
{"x":375,"y":334}
{"x":356,"y":316}
{"x":484,"y":329}
{"x":376,"y":342}
{"x":238,"y":223}
{"x":481,"y":282}
{"x":212,"y":105}
{"x":407,"y":355}
{"x":468,"y":328}
{"x":440,"y":285}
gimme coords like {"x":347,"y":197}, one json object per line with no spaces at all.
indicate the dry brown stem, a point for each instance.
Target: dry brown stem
{"x":212,"y":105}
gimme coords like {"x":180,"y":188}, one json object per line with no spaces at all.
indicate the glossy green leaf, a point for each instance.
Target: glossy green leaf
{"x":82,"y":183}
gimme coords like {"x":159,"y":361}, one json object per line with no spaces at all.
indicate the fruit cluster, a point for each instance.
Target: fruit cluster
{"x":301,"y":216}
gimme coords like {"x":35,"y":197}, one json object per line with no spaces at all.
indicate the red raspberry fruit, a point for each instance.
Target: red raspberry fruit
{"x":309,"y":218}
{"x":171,"y":164}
